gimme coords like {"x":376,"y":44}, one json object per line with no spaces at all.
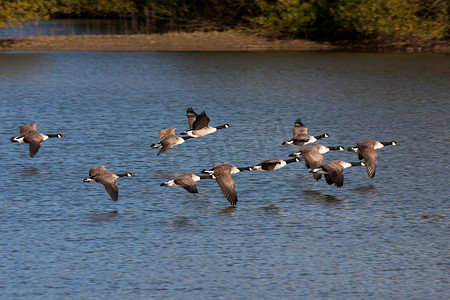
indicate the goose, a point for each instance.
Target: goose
{"x":313,"y":156}
{"x":199,"y":124}
{"x":367,"y":151}
{"x":109,"y":180}
{"x":301,"y":136}
{"x":221,"y":172}
{"x":270,"y":165}
{"x":30,"y":135}
{"x":168,"y":139}
{"x":186,"y":181}
{"x":334,"y":171}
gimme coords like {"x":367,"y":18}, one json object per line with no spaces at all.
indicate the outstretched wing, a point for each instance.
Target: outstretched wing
{"x":166,"y":133}
{"x":228,"y":187}
{"x":187,"y":183}
{"x":191,"y":115}
{"x":27,"y":128}
{"x":110,"y":184}
{"x":201,"y":121}
{"x":299,"y":130}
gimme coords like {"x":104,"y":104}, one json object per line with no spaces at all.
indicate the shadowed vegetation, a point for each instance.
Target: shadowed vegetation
{"x":315,"y":19}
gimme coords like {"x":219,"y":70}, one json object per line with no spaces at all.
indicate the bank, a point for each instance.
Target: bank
{"x":208,"y":41}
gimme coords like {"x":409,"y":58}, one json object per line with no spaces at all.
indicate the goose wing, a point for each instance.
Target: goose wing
{"x":191,"y":116}
{"x":27,"y":128}
{"x":166,"y":133}
{"x":313,"y":160}
{"x":201,"y":121}
{"x":335,"y":174}
{"x":96,"y":171}
{"x":186,"y":182}
{"x":110,"y":184}
{"x":228,"y":187}
{"x":35,"y":140}
{"x":167,"y":144}
{"x":299,"y":130}
{"x":270,"y":164}
{"x":370,"y":159}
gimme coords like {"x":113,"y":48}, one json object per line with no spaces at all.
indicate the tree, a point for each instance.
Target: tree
{"x":19,"y":12}
{"x":397,"y":19}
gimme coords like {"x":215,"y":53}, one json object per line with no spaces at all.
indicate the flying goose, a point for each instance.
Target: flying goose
{"x":109,"y":180}
{"x":270,"y":165}
{"x":199,"y":124}
{"x":186,"y":181}
{"x":29,"y":135}
{"x":334,"y":171}
{"x":313,"y":156}
{"x":301,"y":136}
{"x":168,"y":139}
{"x":222,"y":173}
{"x":367,"y":151}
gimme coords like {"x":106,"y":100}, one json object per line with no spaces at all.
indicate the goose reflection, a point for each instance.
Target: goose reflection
{"x":105,"y":216}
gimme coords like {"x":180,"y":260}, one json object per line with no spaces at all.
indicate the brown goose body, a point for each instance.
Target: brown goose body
{"x":222,"y":173}
{"x":367,"y":151}
{"x":313,"y":156}
{"x":30,"y":135}
{"x":334,"y":171}
{"x":186,"y":181}
{"x":300,"y":136}
{"x":168,"y":139}
{"x":270,"y":165}
{"x":199,"y":124}
{"x":109,"y":180}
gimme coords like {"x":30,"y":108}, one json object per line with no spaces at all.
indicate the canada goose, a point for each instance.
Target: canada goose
{"x":29,"y":135}
{"x":366,"y":151}
{"x":270,"y":165}
{"x":334,"y":171}
{"x":109,"y":180}
{"x":301,"y":136}
{"x":168,"y":139}
{"x":199,"y":124}
{"x":222,"y":173}
{"x":313,"y":156}
{"x":186,"y":181}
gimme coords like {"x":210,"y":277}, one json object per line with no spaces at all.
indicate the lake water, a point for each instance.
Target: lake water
{"x":289,"y":237}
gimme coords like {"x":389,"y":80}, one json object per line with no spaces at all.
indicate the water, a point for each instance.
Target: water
{"x":82,"y":26}
{"x":288,"y":238}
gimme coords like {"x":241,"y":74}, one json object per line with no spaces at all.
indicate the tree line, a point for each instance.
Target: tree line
{"x":315,"y":19}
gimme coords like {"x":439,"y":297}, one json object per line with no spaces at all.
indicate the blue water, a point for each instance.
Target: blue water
{"x":289,"y":237}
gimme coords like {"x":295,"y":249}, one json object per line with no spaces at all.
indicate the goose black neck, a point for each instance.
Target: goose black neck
{"x":187,"y":137}
{"x":221,"y":126}
{"x":206,"y":177}
{"x":388,"y":143}
{"x":244,"y":169}
{"x":288,"y":161}
{"x":318,"y":137}
{"x":356,"y":164}
{"x":339,"y":148}
{"x":122,"y":175}
{"x":53,"y":135}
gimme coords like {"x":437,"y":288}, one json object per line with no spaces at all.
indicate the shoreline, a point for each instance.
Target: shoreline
{"x":206,"y":41}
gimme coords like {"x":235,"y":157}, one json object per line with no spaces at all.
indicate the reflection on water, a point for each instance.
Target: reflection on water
{"x":289,"y":234}
{"x":319,"y":196}
{"x":104,"y":216}
{"x":227,"y":211}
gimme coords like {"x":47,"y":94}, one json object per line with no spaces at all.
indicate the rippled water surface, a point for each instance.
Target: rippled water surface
{"x":289,"y":237}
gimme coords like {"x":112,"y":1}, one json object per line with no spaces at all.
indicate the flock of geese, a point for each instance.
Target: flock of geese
{"x":312,"y":155}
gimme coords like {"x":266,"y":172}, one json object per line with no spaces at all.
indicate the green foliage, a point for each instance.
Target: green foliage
{"x":392,"y":19}
{"x":287,"y":16}
{"x":18,"y":12}
{"x":398,"y":19}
